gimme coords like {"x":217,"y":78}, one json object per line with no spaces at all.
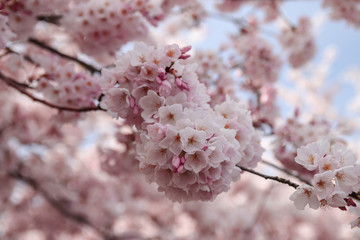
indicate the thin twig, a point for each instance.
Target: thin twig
{"x":53,"y":19}
{"x":274,"y":178}
{"x":285,"y":171}
{"x":43,"y":45}
{"x":14,"y":84}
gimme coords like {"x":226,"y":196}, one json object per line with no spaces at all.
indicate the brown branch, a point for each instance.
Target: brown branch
{"x":274,"y":178}
{"x":353,"y":195}
{"x":43,"y":45}
{"x":53,"y":19}
{"x":14,"y":84}
{"x":286,"y":171}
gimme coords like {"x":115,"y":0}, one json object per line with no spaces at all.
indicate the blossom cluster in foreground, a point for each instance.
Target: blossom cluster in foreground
{"x":187,"y":147}
{"x":337,"y":176}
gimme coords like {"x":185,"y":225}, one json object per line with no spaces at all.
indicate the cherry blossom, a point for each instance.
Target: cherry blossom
{"x":305,"y":195}
{"x":133,"y":120}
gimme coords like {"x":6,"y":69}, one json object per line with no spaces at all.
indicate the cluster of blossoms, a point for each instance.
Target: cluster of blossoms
{"x":214,"y":73}
{"x":101,"y":27}
{"x":259,"y":65}
{"x":298,"y":42}
{"x":337,"y":175}
{"x":295,"y":134}
{"x":188,"y":148}
{"x":64,"y":85}
{"x":270,"y":8}
{"x":22,"y":15}
{"x":265,"y":109}
{"x":347,"y":10}
{"x":192,"y":13}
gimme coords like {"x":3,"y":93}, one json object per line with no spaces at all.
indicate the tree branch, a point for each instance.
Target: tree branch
{"x":43,"y":45}
{"x":53,"y":19}
{"x":274,"y":178}
{"x":353,"y":195}
{"x":21,"y":88}
{"x":285,"y":171}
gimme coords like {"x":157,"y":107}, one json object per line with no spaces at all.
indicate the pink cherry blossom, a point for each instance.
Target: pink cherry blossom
{"x":305,"y":195}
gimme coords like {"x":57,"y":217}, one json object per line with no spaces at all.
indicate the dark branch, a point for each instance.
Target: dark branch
{"x":19,"y":87}
{"x":285,"y":171}
{"x":53,"y":19}
{"x":274,"y":178}
{"x":43,"y":45}
{"x":353,"y":195}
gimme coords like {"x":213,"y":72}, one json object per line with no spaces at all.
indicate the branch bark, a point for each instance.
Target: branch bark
{"x":43,"y":45}
{"x":274,"y":178}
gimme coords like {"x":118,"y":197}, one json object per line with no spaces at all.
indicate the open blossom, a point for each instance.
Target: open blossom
{"x":179,"y":148}
{"x":323,"y":184}
{"x":305,"y":195}
{"x":310,"y":155}
{"x":117,"y":102}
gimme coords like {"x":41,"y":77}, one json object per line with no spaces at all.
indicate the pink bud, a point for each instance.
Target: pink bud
{"x":162,"y":75}
{"x":178,"y":82}
{"x":186,"y":56}
{"x":176,"y":162}
{"x":158,"y":80}
{"x":185,"y":86}
{"x":185,"y":49}
{"x":165,"y":89}
{"x":136,"y":110}
{"x":350,"y":202}
{"x":131,"y":102}
{"x":182,"y":159}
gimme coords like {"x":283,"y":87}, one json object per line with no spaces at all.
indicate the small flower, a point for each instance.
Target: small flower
{"x":116,"y":101}
{"x":192,"y":140}
{"x":196,"y":162}
{"x":308,"y":156}
{"x":305,"y":195}
{"x":172,"y":52}
{"x":170,"y":114}
{"x":151,"y":104}
{"x":323,"y":184}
